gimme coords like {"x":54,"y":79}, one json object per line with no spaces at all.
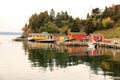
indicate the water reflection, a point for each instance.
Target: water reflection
{"x":51,"y":55}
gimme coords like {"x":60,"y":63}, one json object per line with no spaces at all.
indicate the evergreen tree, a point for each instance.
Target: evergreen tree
{"x":75,"y":27}
{"x":58,"y":20}
{"x":52,"y":14}
{"x":90,"y":27}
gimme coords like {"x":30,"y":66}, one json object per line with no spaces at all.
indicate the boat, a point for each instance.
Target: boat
{"x":67,"y":40}
{"x":31,"y":39}
{"x":47,"y":40}
{"x":92,"y":45}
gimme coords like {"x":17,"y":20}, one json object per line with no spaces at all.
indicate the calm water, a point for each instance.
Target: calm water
{"x":42,"y":61}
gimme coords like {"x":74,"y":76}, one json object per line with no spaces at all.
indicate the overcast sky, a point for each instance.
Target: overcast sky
{"x":15,"y":13}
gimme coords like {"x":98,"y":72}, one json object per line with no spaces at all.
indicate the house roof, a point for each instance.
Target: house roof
{"x":97,"y":34}
{"x":44,"y":33}
{"x":77,"y":33}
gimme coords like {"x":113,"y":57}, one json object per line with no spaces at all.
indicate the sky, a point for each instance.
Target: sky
{"x":14,"y":14}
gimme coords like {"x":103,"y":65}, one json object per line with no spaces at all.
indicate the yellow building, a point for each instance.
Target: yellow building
{"x":39,"y":36}
{"x":62,"y":38}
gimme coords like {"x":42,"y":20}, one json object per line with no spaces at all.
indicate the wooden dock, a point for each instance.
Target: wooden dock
{"x":109,"y":45}
{"x":100,"y":44}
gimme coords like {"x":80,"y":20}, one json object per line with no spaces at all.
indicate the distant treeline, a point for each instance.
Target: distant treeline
{"x":62,"y":22}
{"x":10,"y":33}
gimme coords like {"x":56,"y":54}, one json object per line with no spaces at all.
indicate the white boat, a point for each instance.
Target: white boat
{"x":92,"y":45}
{"x":31,"y":39}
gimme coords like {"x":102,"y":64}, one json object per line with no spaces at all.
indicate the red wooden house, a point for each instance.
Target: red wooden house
{"x":96,"y":38}
{"x":76,"y":35}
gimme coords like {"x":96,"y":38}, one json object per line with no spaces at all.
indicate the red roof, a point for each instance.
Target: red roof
{"x":76,"y":33}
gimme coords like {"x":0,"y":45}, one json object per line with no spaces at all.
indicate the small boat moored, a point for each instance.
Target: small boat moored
{"x":92,"y":45}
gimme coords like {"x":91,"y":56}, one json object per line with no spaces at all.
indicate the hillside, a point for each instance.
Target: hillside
{"x":110,"y":33}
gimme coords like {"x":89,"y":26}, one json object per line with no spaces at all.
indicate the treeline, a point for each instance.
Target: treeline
{"x":62,"y":22}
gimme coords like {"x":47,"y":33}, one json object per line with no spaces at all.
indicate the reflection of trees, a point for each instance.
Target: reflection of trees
{"x":94,"y":62}
{"x":49,"y":58}
{"x":44,"y":58}
{"x":41,"y":57}
{"x":25,"y":46}
{"x":111,"y":66}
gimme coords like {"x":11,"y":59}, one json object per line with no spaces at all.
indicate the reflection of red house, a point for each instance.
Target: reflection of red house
{"x":76,"y":35}
{"x":95,"y":52}
{"x":76,"y":50}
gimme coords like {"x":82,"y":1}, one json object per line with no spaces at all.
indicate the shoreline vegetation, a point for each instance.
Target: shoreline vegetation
{"x":106,"y":22}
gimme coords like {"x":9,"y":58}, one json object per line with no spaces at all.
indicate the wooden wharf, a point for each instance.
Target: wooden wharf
{"x":109,"y":45}
{"x":100,"y":44}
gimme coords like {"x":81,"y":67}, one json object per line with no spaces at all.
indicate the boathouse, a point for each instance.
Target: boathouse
{"x":40,"y":36}
{"x":43,"y":35}
{"x":96,"y":38}
{"x":76,"y":35}
{"x":55,"y":37}
{"x":60,"y":37}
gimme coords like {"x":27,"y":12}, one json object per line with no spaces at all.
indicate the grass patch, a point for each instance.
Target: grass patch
{"x":110,"y":33}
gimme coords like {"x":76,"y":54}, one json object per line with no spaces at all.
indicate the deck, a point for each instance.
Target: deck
{"x":100,"y":44}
